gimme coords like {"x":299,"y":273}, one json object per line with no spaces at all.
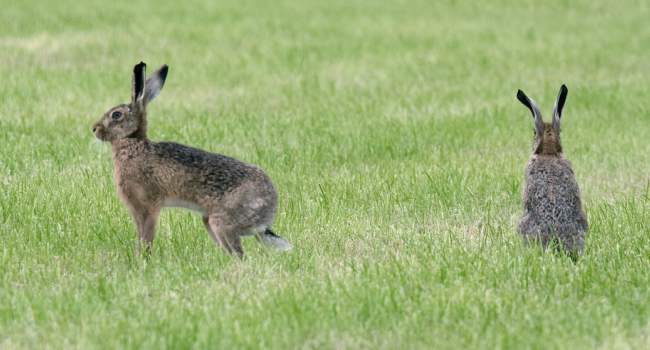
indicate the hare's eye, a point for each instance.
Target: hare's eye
{"x":116,"y":115}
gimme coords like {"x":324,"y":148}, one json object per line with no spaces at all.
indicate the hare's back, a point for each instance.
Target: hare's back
{"x":553,"y":192}
{"x":202,"y":169}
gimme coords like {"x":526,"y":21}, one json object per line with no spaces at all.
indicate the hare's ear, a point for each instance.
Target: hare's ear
{"x":537,"y":115}
{"x":155,"y":83}
{"x":559,"y":105}
{"x":138,"y":82}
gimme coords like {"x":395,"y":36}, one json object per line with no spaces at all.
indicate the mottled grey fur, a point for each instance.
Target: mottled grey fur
{"x":235,"y":198}
{"x":552,"y":206}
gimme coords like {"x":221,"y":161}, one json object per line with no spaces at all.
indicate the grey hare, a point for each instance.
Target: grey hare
{"x":235,"y":199}
{"x":552,"y":205}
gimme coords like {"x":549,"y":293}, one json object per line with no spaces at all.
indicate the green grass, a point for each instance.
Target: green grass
{"x":392,"y":132}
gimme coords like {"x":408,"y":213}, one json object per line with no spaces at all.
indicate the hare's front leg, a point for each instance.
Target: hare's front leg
{"x":145,"y":221}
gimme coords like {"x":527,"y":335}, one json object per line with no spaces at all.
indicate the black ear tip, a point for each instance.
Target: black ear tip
{"x":139,"y":66}
{"x":163,"y":70}
{"x":521,"y":96}
{"x":564,"y":89}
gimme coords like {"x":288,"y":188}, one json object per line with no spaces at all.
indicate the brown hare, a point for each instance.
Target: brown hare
{"x":235,"y":199}
{"x":552,"y":206}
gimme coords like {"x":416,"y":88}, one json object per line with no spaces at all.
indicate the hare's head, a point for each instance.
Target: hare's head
{"x":129,"y":120}
{"x":547,"y":135}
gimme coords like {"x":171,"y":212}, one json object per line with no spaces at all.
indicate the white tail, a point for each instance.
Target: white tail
{"x":270,"y":239}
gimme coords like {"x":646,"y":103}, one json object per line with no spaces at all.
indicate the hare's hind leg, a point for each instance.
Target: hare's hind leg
{"x":574,"y":245}
{"x":225,"y":234}
{"x":215,"y":238}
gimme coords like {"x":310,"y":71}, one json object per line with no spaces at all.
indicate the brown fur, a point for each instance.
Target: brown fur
{"x":550,"y":141}
{"x":552,"y":204}
{"x":234,"y":198}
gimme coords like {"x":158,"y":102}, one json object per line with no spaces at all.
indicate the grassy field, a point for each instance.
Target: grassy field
{"x":392,"y":132}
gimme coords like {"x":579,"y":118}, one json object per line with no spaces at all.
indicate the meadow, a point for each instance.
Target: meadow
{"x":393,"y":135}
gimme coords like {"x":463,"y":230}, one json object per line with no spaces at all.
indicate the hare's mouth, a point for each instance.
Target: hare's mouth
{"x":99,"y":133}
